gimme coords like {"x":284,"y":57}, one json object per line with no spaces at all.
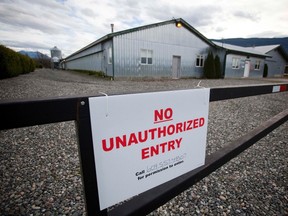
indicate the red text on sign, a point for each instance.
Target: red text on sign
{"x":160,"y":148}
{"x":127,"y":140}
{"x":163,"y":115}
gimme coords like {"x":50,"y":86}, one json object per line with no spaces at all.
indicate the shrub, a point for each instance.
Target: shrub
{"x":13,"y":63}
{"x":10,"y":64}
{"x":32,"y":65}
{"x":24,"y":63}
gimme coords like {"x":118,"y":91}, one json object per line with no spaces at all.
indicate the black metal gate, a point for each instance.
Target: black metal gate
{"x":22,"y":113}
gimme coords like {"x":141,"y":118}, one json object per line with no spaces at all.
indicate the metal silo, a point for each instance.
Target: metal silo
{"x":56,"y":57}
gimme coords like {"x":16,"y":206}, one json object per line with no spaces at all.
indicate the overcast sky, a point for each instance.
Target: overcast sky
{"x":38,"y":25}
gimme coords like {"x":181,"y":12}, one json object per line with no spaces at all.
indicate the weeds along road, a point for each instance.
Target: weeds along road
{"x":40,"y":171}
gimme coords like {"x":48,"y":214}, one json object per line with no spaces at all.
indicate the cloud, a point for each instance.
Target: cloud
{"x":191,"y":13}
{"x":246,"y":15}
{"x":88,"y":12}
{"x":200,"y":19}
{"x":220,"y":29}
{"x":26,"y":16}
{"x":134,"y":22}
{"x":71,"y":25}
{"x":268,"y":34}
{"x":25,"y":44}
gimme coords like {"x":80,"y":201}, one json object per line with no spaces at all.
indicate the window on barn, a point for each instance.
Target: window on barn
{"x":110,"y":55}
{"x":199,"y":61}
{"x":235,"y":63}
{"x":257,"y":65}
{"x":146,"y":56}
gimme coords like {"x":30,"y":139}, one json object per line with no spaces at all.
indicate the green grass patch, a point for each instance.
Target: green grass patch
{"x":93,"y":73}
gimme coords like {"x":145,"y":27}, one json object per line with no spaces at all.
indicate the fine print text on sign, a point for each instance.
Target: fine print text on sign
{"x":143,"y":140}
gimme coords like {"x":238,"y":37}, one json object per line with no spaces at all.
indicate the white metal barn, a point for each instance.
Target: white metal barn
{"x":277,"y":61}
{"x":241,"y":61}
{"x":171,"y":49}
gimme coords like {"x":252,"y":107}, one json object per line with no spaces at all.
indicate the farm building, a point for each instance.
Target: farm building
{"x":241,"y":61}
{"x":277,"y":61}
{"x":168,"y":49}
{"x":172,"y":49}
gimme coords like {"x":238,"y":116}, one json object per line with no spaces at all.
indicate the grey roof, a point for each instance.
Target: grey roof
{"x":183,"y":22}
{"x":240,"y":50}
{"x":265,"y":49}
{"x":268,"y":48}
{"x":111,"y":35}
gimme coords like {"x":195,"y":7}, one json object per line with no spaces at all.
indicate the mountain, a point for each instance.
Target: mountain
{"x":34,"y":55}
{"x":250,"y":42}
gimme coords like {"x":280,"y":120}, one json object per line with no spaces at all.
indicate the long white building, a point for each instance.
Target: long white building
{"x":172,"y":49}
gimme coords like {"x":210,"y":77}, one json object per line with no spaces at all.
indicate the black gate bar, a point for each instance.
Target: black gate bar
{"x":225,"y":93}
{"x":23,"y":113}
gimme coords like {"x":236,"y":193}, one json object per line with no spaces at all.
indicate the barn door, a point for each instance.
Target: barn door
{"x":176,"y":65}
{"x":246,"y":68}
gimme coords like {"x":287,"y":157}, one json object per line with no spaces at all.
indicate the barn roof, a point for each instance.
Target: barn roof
{"x":268,"y":48}
{"x":179,"y":20}
{"x":241,"y":50}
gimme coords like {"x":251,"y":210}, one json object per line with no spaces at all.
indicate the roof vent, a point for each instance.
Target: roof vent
{"x":112,"y":28}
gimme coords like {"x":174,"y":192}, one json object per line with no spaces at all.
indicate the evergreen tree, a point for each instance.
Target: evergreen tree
{"x":217,"y":64}
{"x":209,"y":66}
{"x":265,"y":72}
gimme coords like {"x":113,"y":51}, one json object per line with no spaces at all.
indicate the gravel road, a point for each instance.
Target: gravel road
{"x":40,"y":171}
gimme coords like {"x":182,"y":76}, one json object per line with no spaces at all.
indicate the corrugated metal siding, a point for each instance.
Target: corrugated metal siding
{"x":89,"y":51}
{"x":90,"y":59}
{"x":91,"y":62}
{"x":166,"y":41}
{"x":239,"y":72}
{"x":276,"y":64}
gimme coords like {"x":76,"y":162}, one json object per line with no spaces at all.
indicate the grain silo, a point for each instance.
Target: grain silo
{"x":56,"y":57}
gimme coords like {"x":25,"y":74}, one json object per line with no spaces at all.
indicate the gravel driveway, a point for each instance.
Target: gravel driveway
{"x":40,"y":172}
